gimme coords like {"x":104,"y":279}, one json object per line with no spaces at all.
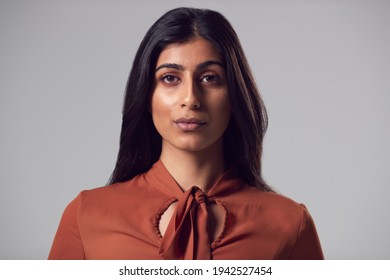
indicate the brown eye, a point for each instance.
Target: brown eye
{"x":169,"y":79}
{"x":210,"y":78}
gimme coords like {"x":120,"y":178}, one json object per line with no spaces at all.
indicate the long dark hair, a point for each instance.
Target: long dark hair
{"x":140,"y":143}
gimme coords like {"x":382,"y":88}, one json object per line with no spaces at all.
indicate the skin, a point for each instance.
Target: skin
{"x":190,"y":82}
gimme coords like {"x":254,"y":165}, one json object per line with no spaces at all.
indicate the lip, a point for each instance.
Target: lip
{"x":189,"y":124}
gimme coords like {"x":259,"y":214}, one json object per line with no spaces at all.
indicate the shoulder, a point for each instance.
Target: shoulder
{"x":284,"y":223}
{"x":280,"y":205}
{"x":267,"y":209}
{"x":132,"y":192}
{"x":250,"y":196}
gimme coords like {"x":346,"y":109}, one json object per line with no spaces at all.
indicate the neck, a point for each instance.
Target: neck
{"x":200,"y":168}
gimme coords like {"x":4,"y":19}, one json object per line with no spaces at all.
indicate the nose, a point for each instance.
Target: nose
{"x":190,"y":97}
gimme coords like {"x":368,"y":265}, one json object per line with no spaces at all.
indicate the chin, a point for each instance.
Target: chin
{"x":196,"y":146}
{"x":193,"y":143}
{"x":192,"y":148}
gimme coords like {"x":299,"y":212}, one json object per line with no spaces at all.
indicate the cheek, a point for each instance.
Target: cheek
{"x":222,"y":110}
{"x":160,"y":107}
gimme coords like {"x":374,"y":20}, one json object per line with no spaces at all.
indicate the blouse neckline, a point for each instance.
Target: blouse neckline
{"x":160,"y":177}
{"x":187,"y":235}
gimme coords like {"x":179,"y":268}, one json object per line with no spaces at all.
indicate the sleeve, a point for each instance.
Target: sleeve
{"x":67,"y":244}
{"x":307,"y":246}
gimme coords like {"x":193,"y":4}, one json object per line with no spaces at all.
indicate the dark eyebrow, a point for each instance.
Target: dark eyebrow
{"x":170,"y":65}
{"x":210,"y":62}
{"x":181,"y":68}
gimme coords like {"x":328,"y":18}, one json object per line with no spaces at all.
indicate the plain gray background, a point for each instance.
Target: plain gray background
{"x":322,"y":67}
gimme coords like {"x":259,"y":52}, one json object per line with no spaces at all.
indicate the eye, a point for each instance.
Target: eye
{"x":210,"y":78}
{"x":169,"y":79}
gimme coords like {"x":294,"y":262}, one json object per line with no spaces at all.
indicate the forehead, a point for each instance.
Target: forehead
{"x":188,"y":53}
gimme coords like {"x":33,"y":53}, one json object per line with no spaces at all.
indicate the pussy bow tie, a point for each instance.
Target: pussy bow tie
{"x":187,"y":236}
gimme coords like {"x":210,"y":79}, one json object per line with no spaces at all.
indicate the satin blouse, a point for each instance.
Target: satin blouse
{"x":121,"y":221}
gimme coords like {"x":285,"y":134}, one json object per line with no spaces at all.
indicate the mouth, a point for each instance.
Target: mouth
{"x":189,"y":124}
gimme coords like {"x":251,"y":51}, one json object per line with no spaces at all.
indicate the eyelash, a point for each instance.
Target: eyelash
{"x":216,"y":78}
{"x":164,"y":77}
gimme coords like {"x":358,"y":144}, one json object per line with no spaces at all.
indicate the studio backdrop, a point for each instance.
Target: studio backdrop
{"x":322,"y":67}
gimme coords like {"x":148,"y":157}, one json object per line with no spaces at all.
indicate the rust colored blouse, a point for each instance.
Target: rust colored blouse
{"x":121,"y":221}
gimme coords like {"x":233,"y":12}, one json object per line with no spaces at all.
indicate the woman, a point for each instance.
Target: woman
{"x":187,"y":183}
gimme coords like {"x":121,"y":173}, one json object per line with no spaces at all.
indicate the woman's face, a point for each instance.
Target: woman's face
{"x":190,"y":103}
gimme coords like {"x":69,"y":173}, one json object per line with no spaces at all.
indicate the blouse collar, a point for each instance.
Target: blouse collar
{"x":160,"y":177}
